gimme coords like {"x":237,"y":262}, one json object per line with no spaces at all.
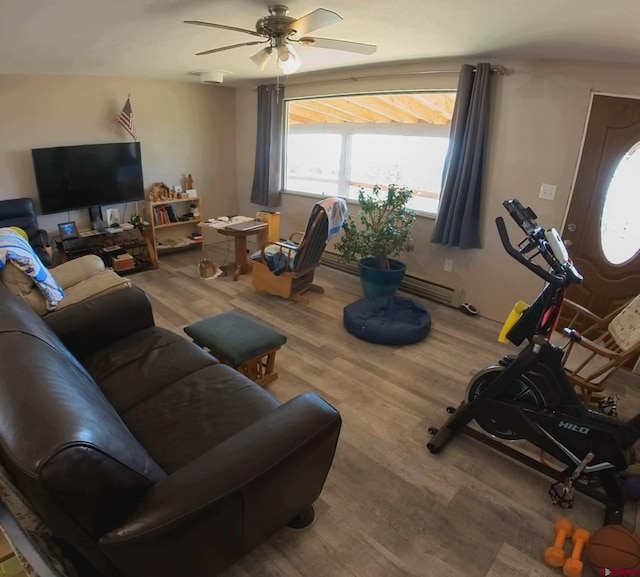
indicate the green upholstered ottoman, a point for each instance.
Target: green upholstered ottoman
{"x":247,"y":345}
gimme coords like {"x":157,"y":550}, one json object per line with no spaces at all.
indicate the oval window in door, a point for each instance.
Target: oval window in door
{"x":619,"y":231}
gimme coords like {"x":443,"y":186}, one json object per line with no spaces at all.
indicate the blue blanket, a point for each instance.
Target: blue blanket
{"x":14,"y":248}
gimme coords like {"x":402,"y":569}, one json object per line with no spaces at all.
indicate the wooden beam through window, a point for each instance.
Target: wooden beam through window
{"x":406,"y":108}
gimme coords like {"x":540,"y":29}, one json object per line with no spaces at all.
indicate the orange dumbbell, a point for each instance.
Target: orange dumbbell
{"x":573,"y":565}
{"x":554,"y":556}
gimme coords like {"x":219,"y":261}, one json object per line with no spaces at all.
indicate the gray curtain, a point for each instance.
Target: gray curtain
{"x":458,"y":220}
{"x":267,"y":175}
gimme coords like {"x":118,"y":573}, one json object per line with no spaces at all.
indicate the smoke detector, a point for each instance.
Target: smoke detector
{"x":211,"y":76}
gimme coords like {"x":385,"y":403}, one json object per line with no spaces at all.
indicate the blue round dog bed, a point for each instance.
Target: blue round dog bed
{"x":387,"y":320}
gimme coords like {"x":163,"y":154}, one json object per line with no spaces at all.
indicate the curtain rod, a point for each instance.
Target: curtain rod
{"x":497,"y":70}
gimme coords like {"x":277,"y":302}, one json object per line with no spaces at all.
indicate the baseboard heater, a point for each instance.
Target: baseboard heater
{"x":412,"y":284}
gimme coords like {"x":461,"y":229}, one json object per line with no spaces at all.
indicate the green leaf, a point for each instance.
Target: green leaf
{"x":385,"y":226}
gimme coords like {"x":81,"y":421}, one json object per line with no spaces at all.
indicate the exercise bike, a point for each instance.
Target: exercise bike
{"x":529,"y":396}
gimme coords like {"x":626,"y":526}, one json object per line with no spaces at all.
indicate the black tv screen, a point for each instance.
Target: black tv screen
{"x":72,"y":177}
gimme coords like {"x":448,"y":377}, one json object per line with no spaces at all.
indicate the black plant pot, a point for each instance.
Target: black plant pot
{"x":380,"y":283}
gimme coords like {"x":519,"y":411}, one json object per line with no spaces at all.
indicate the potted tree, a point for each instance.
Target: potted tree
{"x":384,"y":232}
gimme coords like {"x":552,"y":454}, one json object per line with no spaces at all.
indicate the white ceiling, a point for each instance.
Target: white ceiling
{"x":146,"y":38}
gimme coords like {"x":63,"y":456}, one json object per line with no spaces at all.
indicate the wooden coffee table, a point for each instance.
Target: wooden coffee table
{"x":242,"y":264}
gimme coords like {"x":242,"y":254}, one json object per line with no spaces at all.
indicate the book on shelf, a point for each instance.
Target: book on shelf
{"x":171,"y":213}
{"x":161,"y":216}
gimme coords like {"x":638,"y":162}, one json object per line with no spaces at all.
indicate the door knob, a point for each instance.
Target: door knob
{"x":571,"y":227}
{"x":568,"y":243}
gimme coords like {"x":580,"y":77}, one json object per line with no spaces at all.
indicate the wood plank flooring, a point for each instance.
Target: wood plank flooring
{"x":389,"y":508}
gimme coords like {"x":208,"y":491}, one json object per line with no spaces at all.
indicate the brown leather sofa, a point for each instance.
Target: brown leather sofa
{"x":143,"y":452}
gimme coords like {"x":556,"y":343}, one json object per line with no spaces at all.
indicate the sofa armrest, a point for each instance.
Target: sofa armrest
{"x":76,"y":270}
{"x":288,"y":446}
{"x":92,"y":324}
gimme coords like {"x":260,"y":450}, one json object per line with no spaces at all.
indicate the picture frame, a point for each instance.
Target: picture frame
{"x":113,"y":217}
{"x":68,"y":230}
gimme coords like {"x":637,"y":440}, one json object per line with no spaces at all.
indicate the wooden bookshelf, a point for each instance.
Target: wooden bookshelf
{"x":181,"y":223}
{"x":164,"y":218}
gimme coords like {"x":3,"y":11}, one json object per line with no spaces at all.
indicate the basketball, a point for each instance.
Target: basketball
{"x":613,"y":547}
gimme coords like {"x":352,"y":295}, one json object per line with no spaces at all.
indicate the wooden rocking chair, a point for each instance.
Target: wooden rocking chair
{"x":287,"y":268}
{"x":596,"y":353}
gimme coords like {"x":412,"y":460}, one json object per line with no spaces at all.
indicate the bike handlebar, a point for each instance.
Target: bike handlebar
{"x":517,"y":255}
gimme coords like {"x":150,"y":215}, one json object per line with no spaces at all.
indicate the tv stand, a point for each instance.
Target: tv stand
{"x":137,"y":241}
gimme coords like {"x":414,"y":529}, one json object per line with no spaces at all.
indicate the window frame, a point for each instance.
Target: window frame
{"x":381,"y":128}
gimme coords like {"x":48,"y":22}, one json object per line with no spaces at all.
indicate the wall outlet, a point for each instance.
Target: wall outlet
{"x":548,"y":191}
{"x":448,"y":265}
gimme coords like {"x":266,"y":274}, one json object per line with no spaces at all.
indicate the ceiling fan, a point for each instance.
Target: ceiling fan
{"x":281,"y":31}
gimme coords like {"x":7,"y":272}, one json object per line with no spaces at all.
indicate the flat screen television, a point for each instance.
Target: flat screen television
{"x":73,"y":177}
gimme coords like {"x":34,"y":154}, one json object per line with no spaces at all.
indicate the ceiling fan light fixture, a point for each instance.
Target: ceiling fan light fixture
{"x":288,"y":59}
{"x":261,"y":57}
{"x":278,"y":31}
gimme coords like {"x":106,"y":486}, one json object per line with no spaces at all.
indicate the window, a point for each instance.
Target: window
{"x":334,"y":145}
{"x":619,"y":232}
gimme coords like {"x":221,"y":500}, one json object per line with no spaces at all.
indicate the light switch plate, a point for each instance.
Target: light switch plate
{"x":548,"y":191}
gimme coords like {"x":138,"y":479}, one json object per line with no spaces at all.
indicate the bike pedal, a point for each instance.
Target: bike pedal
{"x":609,"y":405}
{"x":562,"y":498}
{"x":602,"y":418}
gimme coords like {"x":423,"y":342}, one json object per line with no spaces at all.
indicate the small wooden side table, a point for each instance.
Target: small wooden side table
{"x":242,"y":265}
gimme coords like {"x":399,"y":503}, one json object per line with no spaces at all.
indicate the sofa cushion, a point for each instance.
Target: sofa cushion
{"x":16,"y":250}
{"x":178,"y":404}
{"x":70,"y":447}
{"x":100,"y":283}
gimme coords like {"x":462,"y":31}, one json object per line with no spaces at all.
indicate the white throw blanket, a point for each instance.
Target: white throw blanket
{"x":336,"y":209}
{"x":14,"y":248}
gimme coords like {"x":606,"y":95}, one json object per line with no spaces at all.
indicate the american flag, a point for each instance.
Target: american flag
{"x":125,"y":118}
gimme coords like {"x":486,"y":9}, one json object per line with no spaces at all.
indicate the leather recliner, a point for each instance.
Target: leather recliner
{"x":21,"y":212}
{"x":142,"y":451}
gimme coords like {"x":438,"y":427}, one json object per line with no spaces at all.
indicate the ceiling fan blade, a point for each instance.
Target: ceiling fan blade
{"x":222,"y":26}
{"x":345,"y":45}
{"x":214,"y":50}
{"x":317,"y":19}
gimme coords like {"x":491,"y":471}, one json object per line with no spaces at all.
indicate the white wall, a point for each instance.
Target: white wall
{"x":538,"y":117}
{"x":537,"y":124}
{"x":182,"y":127}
